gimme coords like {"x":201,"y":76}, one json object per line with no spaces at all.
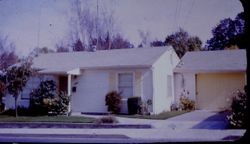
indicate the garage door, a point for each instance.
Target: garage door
{"x":214,"y":90}
{"x":92,"y":86}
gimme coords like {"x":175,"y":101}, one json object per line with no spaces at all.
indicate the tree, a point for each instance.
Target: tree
{"x":145,"y":38}
{"x":227,"y":33}
{"x":78,"y":46}
{"x":119,"y":42}
{"x":7,"y":53}
{"x":94,"y":28}
{"x":17,"y":77}
{"x":61,"y":47}
{"x":2,"y":90}
{"x":245,"y":43}
{"x":157,"y":43}
{"x":182,"y":42}
{"x":37,"y":51}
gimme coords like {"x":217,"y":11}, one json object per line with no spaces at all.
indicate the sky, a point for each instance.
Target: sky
{"x":32,"y":23}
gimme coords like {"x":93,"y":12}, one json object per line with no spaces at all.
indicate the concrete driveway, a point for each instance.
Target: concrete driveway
{"x":198,"y":119}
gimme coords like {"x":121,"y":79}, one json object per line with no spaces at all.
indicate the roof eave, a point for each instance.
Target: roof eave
{"x":208,"y":71}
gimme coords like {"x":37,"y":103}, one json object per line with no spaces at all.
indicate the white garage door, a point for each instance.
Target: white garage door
{"x":92,"y":86}
{"x":214,"y":90}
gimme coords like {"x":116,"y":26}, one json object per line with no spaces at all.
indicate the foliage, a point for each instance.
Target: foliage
{"x":2,"y":90}
{"x":237,"y":117}
{"x":227,"y":33}
{"x":134,"y":105}
{"x":144,"y":108}
{"x":78,"y":46}
{"x":47,"y":101}
{"x":61,"y":47}
{"x":174,"y":107}
{"x":7,"y":53}
{"x":186,"y":103}
{"x":17,"y":77}
{"x":182,"y":42}
{"x":106,"y":119}
{"x":157,"y":43}
{"x":113,"y":101}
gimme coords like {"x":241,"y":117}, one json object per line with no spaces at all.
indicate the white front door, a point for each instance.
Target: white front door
{"x":91,"y":88}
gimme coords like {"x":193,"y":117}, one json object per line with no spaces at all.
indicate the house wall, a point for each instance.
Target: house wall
{"x":162,"y":71}
{"x":93,"y":85}
{"x":23,"y":99}
{"x":184,"y":84}
{"x":147,"y":87}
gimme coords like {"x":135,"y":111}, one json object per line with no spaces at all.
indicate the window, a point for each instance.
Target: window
{"x":125,"y":84}
{"x":169,"y":85}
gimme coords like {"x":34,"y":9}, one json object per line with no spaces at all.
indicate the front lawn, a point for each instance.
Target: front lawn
{"x":68,"y":119}
{"x":161,"y":116}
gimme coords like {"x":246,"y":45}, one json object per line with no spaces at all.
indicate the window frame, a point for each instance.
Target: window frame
{"x":133,"y":82}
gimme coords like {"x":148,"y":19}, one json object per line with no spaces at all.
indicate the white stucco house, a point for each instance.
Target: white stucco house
{"x":89,"y":76}
{"x":210,"y":77}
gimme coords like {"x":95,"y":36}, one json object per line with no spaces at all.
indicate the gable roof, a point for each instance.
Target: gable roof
{"x":213,"y":61}
{"x":116,"y":58}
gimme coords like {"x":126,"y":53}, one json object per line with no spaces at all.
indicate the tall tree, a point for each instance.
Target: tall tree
{"x":89,"y":26}
{"x":7,"y":53}
{"x":37,"y":51}
{"x":182,"y":42}
{"x":17,"y":77}
{"x":227,"y":33}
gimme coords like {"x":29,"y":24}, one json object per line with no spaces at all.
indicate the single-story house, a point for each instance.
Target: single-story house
{"x":89,"y":76}
{"x":210,"y":77}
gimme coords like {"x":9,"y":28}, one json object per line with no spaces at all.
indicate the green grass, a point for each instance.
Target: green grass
{"x":161,"y":116}
{"x":68,"y":119}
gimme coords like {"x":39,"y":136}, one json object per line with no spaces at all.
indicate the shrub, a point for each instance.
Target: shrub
{"x":113,"y":101}
{"x":2,"y":90}
{"x":134,"y":105}
{"x":45,"y":100}
{"x":186,"y":103}
{"x":237,"y":117}
{"x":106,"y":119}
{"x":174,"y":107}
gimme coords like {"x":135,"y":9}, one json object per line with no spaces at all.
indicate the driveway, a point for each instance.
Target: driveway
{"x":198,"y":119}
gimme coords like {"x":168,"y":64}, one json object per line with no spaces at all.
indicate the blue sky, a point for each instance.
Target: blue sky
{"x":22,"y":20}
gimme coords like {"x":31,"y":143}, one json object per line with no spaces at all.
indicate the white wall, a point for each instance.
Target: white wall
{"x":163,"y":68}
{"x":184,"y":81}
{"x":23,"y":101}
{"x":93,"y":85}
{"x":147,"y":87}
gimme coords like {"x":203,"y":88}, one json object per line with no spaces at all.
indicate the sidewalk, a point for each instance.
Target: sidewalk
{"x":193,"y":126}
{"x":159,"y":135}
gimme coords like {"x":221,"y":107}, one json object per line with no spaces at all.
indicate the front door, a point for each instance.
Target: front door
{"x":63,"y":84}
